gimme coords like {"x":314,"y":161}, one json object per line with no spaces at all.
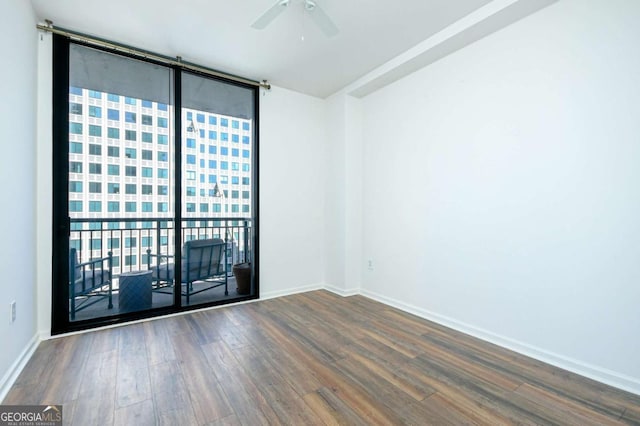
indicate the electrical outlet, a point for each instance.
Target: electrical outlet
{"x":12,"y":310}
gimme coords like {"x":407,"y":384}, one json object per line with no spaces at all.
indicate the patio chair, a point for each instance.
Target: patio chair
{"x":89,"y":282}
{"x":202,"y":261}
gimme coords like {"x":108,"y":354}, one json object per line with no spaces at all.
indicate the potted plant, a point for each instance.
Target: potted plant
{"x":242,"y":272}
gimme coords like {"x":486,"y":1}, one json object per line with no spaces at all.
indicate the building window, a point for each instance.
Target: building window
{"x":191,"y":159}
{"x":130,"y":170}
{"x":217,"y":207}
{"x":113,"y":133}
{"x":75,"y":91}
{"x":235,"y":166}
{"x":235,"y":124}
{"x":147,"y":207}
{"x":95,"y":187}
{"x":200,"y":118}
{"x":191,"y":207}
{"x":113,"y":114}
{"x":163,"y":156}
{"x":245,"y":167}
{"x":191,"y":191}
{"x":224,"y":165}
{"x":235,"y":138}
{"x":147,"y":154}
{"x":235,"y":152}
{"x":245,"y":208}
{"x":245,"y":195}
{"x":224,"y":122}
{"x":191,"y":143}
{"x":147,"y":172}
{"x":130,"y":260}
{"x":95,"y":94}
{"x":130,"y":117}
{"x":163,"y":139}
{"x":147,"y":120}
{"x":75,"y":108}
{"x":113,"y":188}
{"x":147,"y":104}
{"x":96,"y":244}
{"x":75,"y":148}
{"x":75,"y":206}
{"x":113,"y":151}
{"x":75,"y":167}
{"x":130,"y":188}
{"x":204,"y":208}
{"x":146,"y":241}
{"x":113,"y":207}
{"x":163,"y":173}
{"x":163,"y":207}
{"x":213,"y":135}
{"x":129,"y":101}
{"x":235,"y":208}
{"x":162,"y":107}
{"x":147,"y":189}
{"x":95,"y":206}
{"x":245,"y":153}
{"x":162,"y":122}
{"x":163,"y":190}
{"x":130,"y":135}
{"x":113,"y":243}
{"x":213,"y":164}
{"x":75,"y":128}
{"x":75,"y":186}
{"x":245,"y":126}
{"x":113,"y":170}
{"x":95,"y":149}
{"x":224,"y":137}
{"x":95,"y":168}
{"x":245,"y":181}
{"x":130,"y":206}
{"x":95,"y":130}
{"x":113,"y":98}
{"x":147,"y":137}
{"x":130,"y":153}
{"x":245,"y":140}
{"x":95,"y":111}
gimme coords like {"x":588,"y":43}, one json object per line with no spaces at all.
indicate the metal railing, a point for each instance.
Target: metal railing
{"x":128,"y":239}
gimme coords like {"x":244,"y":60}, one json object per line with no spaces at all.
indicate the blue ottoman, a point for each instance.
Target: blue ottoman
{"x":135,"y":291}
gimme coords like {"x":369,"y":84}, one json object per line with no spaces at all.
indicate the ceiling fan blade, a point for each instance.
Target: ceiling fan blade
{"x":270,"y":14}
{"x":321,"y":18}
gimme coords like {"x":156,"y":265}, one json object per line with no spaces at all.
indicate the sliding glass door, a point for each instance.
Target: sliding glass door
{"x":154,"y":188}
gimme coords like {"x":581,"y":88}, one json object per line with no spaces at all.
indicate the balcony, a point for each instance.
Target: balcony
{"x":129,"y":241}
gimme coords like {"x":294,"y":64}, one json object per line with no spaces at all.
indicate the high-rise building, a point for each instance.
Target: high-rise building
{"x":122,"y":165}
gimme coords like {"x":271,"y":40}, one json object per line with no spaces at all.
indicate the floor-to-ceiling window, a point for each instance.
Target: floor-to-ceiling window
{"x":155,"y":188}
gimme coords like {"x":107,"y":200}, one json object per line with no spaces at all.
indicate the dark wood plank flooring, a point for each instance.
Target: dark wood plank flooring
{"x":312,"y":358}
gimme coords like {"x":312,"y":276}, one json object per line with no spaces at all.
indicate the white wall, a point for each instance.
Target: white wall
{"x":17,"y":176}
{"x":501,"y":189}
{"x":292,"y":163}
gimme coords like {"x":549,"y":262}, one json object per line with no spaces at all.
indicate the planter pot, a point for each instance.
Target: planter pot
{"x":242,"y":272}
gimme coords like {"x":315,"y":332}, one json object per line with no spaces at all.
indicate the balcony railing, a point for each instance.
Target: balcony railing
{"x":129,"y":239}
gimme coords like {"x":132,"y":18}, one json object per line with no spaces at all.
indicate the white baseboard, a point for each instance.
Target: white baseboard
{"x":16,"y":368}
{"x":279,"y":293}
{"x":341,"y":291}
{"x":612,"y":378}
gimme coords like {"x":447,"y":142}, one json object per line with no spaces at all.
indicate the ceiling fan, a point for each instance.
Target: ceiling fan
{"x":317,"y":14}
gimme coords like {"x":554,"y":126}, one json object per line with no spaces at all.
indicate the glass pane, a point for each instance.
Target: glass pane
{"x":120,"y":184}
{"x":217,"y":146}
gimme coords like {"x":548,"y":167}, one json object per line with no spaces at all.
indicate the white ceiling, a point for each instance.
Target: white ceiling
{"x":217,"y":34}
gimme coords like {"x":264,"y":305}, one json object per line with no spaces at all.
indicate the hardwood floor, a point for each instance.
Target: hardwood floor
{"x":312,"y":358}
